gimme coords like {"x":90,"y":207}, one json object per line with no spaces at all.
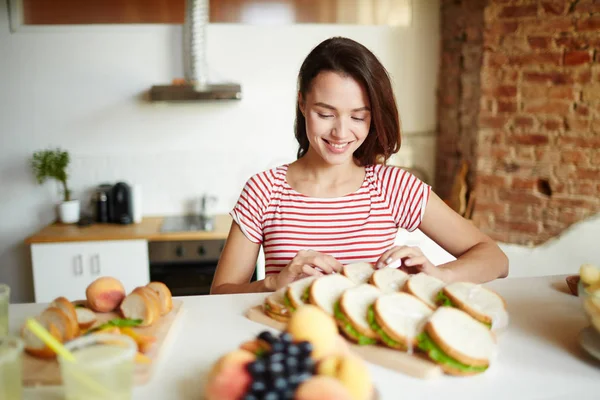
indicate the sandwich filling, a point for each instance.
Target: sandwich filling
{"x":444,"y":300}
{"x":375,"y":326}
{"x":288,"y":303}
{"x":305,"y":295}
{"x":348,"y":328}
{"x":439,"y":356}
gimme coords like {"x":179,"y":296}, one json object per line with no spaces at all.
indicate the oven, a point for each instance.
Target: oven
{"x":187,"y":267}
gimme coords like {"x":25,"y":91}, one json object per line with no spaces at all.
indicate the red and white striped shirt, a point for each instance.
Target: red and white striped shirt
{"x":356,"y":227}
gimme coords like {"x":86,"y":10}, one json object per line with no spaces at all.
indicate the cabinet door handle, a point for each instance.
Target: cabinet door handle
{"x":95,"y":264}
{"x":78,"y":266}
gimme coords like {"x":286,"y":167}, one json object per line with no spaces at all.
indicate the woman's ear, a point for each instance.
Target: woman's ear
{"x":301,"y":104}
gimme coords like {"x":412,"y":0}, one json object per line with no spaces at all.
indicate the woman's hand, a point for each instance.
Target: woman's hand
{"x":409,"y":259}
{"x":305,"y":263}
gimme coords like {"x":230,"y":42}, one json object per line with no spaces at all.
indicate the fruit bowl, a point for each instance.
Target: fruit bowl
{"x":590,"y":299}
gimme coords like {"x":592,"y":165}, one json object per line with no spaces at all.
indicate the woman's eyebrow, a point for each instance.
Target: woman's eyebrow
{"x":330,"y":107}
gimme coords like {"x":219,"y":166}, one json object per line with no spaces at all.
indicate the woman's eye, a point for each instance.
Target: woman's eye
{"x":358,"y":119}
{"x":325,"y":115}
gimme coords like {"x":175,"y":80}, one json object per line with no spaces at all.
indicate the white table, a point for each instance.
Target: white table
{"x":539,"y":354}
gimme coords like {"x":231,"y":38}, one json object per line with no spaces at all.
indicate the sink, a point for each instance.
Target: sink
{"x":187,"y":223}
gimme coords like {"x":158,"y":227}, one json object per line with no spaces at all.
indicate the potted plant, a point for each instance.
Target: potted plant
{"x":52,"y":164}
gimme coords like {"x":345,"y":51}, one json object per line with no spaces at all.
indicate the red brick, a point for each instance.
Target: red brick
{"x":518,"y":11}
{"x":589,"y":24}
{"x":490,"y":137}
{"x":490,"y":207}
{"x":533,"y":59}
{"x":507,"y":106}
{"x":579,"y":141}
{"x":557,"y":78}
{"x":556,"y":201}
{"x":573,"y":156}
{"x":582,"y":110}
{"x":519,"y":197}
{"x":539,"y":42}
{"x":490,"y":121}
{"x":584,"y":188}
{"x":577,"y":57}
{"x":523,"y":183}
{"x":491,"y":180}
{"x":502,"y":27}
{"x":595,"y":126}
{"x":551,"y":26}
{"x":518,"y":226}
{"x":519,"y":212}
{"x":573,"y":43}
{"x":591,"y":92}
{"x":552,"y":92}
{"x":553,"y":124}
{"x":547,"y":107}
{"x":503,"y":91}
{"x":523,"y":121}
{"x":587,"y":7}
{"x":494,"y":60}
{"x":588,"y":173}
{"x":530,"y":139}
{"x":524,"y":154}
{"x":556,"y":7}
{"x":547,"y":155}
{"x":583,"y":76}
{"x":577,"y":124}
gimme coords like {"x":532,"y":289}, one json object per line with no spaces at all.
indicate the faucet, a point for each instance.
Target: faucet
{"x":206,"y":221}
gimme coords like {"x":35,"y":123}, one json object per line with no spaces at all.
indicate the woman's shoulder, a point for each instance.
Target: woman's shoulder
{"x":268,"y":180}
{"x":383,"y":171}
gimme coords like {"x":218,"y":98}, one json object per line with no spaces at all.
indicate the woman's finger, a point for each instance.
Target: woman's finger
{"x":416,"y":261}
{"x":386,"y":258}
{"x":310,"y":271}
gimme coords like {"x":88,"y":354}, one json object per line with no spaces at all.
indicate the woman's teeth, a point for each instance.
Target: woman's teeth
{"x":338,"y":146}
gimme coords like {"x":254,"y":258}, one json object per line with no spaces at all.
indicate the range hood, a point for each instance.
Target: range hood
{"x":196,"y":85}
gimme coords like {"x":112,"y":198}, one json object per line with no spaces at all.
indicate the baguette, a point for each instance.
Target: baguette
{"x":34,"y":345}
{"x":164,"y":295}
{"x":67,"y":307}
{"x":56,"y":316}
{"x":154,"y":299}
{"x":140,"y":305}
{"x":85,"y":317}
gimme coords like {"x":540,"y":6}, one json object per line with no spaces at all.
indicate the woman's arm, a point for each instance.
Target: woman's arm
{"x":236,"y":266}
{"x":478,"y":257}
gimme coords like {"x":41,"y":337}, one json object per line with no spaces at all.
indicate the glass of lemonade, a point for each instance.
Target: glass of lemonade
{"x":11,"y":364}
{"x":4,"y":300}
{"x":103,"y":368}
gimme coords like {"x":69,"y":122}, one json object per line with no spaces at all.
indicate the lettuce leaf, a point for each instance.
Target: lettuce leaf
{"x":444,"y":300}
{"x":288,"y":303}
{"x":375,"y":326}
{"x":349,"y":329}
{"x":305,"y":295}
{"x":437,"y":354}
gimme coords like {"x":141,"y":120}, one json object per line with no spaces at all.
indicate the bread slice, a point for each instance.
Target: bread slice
{"x":56,"y":316}
{"x":326,"y":291}
{"x":154,"y":299}
{"x":353,"y":305}
{"x":479,"y":302}
{"x":425,"y":288}
{"x":164,"y":295}
{"x":34,"y":345}
{"x":358,"y":272}
{"x":69,"y":309}
{"x":389,"y":280}
{"x":139,"y":305}
{"x":399,"y":319}
{"x":457,"y":341}
{"x":278,"y":317}
{"x":86,"y":318}
{"x":296,"y":293}
{"x":275,"y":305}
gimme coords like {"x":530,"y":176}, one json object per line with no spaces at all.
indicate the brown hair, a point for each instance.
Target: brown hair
{"x":347,"y":57}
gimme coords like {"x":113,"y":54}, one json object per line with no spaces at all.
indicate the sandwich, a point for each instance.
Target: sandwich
{"x":358,"y":272}
{"x":296,"y":293}
{"x":274,"y":306}
{"x":398,"y":319}
{"x":350,"y":312}
{"x":389,"y":279}
{"x":325,"y":291}
{"x":457,"y":342}
{"x":483,"y":304}
{"x":425,"y":288}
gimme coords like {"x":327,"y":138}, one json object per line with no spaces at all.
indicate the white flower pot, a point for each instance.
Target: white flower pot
{"x":68,"y":211}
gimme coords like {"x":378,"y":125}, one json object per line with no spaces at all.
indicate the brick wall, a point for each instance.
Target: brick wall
{"x":537,"y":138}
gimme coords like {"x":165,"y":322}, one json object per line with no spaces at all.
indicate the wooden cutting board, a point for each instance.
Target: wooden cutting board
{"x":413,"y":365}
{"x":37,"y":371}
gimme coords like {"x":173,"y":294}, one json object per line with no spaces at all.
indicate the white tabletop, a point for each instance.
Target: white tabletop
{"x":539,"y":354}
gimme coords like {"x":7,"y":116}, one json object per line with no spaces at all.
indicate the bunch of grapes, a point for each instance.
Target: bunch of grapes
{"x":280,"y":369}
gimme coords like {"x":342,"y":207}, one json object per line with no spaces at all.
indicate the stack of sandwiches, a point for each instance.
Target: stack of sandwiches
{"x":452,"y":324}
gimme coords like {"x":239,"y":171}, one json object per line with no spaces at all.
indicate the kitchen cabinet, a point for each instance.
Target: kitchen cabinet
{"x":67,"y":268}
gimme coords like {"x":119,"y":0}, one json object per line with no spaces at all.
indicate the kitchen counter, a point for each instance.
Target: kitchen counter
{"x":148,"y":229}
{"x":539,"y":355}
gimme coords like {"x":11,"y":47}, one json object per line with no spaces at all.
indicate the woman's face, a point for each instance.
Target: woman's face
{"x":338,"y":117}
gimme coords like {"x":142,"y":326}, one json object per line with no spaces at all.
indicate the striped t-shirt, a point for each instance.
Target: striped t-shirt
{"x":356,"y":227}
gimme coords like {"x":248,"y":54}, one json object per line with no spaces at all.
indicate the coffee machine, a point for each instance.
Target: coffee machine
{"x":114,"y":203}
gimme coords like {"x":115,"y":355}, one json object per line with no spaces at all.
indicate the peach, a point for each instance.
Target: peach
{"x":236,"y":357}
{"x":312,"y":324}
{"x":351,"y":372}
{"x":105,"y":294}
{"x":322,"y":388}
{"x":228,"y":379}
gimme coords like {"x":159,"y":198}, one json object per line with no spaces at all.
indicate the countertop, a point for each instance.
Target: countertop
{"x":147,"y":229}
{"x":539,"y":355}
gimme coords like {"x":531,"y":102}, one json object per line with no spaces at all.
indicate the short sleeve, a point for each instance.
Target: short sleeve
{"x":407,"y":196}
{"x":250,"y":208}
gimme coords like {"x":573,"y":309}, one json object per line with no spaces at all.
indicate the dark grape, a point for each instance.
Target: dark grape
{"x":286,"y":337}
{"x":276,"y":369}
{"x":293,"y":350}
{"x":304,"y":376}
{"x":288,"y":394}
{"x":271,"y":396}
{"x":251,"y":396}
{"x":277,"y":347}
{"x":276,"y":357}
{"x":257,"y":368}
{"x":280,"y":384}
{"x":307,"y":364}
{"x":305,"y":347}
{"x":291,"y":365}
{"x":258,"y":387}
{"x":267,"y":337}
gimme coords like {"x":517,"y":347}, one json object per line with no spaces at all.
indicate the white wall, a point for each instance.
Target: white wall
{"x":80,"y":88}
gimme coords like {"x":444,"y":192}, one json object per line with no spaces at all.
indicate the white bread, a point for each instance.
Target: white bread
{"x":139,"y":305}
{"x":481,"y":303}
{"x":358,"y":272}
{"x":275,"y":302}
{"x":34,"y":345}
{"x":69,"y":309}
{"x":402,"y":317}
{"x":164,"y":296}
{"x":425,"y":288}
{"x":326,"y":291}
{"x":278,"y":317}
{"x":56,"y":316}
{"x":85,"y":317}
{"x":461,"y":337}
{"x":154,"y":299}
{"x":354,"y":304}
{"x":389,"y":280}
{"x":295,"y":290}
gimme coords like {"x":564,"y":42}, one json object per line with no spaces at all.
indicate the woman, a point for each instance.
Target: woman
{"x":338,"y":203}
